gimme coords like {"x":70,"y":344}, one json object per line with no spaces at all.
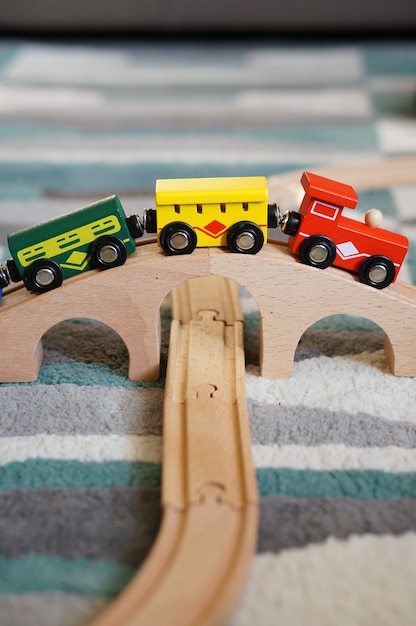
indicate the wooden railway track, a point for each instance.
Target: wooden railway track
{"x":197,"y":568}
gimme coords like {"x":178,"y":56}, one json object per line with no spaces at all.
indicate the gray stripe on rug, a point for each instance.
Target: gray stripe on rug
{"x":307,"y":426}
{"x":287,"y":522}
{"x":121,"y":523}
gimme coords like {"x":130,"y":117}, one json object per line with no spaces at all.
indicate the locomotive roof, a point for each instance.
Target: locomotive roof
{"x":211,"y":190}
{"x":329,"y":190}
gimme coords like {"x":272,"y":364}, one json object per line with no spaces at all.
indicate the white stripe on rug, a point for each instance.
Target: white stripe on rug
{"x":335,"y":457}
{"x":148,"y":448}
{"x":317,"y":585}
{"x":354,"y":384}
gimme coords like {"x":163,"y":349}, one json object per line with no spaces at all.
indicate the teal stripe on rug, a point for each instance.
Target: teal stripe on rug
{"x":37,"y":574}
{"x":360,"y":484}
{"x":50,"y":473}
{"x":86,"y":375}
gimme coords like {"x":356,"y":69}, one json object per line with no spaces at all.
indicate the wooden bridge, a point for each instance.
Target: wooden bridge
{"x":290,"y":297}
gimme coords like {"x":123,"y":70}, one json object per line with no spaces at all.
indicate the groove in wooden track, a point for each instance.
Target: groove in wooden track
{"x":195,"y":573}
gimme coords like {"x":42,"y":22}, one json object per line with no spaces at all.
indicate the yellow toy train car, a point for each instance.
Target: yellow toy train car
{"x":197,"y":212}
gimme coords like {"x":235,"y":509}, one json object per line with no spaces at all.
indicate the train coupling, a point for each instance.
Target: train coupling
{"x":273,"y":216}
{"x":289,"y":222}
{"x":150,"y":220}
{"x":4,"y":276}
{"x":9,"y":273}
{"x":135,"y":226}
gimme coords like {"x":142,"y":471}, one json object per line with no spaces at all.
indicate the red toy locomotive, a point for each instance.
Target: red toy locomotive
{"x":322,"y":236}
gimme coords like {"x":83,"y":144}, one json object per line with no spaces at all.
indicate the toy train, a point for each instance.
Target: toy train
{"x":228,"y":212}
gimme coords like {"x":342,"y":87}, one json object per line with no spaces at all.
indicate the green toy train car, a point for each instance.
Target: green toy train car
{"x":96,"y":236}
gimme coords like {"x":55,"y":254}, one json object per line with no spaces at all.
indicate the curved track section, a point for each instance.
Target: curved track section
{"x":198,"y":566}
{"x":286,"y":190}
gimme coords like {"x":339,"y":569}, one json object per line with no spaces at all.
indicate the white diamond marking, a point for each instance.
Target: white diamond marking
{"x":347,"y":249}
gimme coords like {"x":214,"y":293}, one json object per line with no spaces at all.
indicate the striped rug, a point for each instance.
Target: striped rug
{"x":80,"y":448}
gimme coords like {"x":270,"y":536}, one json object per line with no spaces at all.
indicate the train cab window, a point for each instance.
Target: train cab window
{"x":327,"y":211}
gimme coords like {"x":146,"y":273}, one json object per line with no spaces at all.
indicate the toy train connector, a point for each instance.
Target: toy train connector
{"x":232,"y":213}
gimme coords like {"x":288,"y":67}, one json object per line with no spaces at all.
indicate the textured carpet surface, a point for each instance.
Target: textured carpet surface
{"x":80,"y":448}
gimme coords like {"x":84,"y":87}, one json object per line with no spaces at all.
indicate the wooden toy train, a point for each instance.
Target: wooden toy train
{"x":228,"y":212}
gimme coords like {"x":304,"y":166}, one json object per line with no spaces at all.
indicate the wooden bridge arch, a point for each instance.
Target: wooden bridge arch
{"x":290,"y":296}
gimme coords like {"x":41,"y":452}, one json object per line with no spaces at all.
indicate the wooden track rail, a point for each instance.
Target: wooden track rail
{"x":197,"y":568}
